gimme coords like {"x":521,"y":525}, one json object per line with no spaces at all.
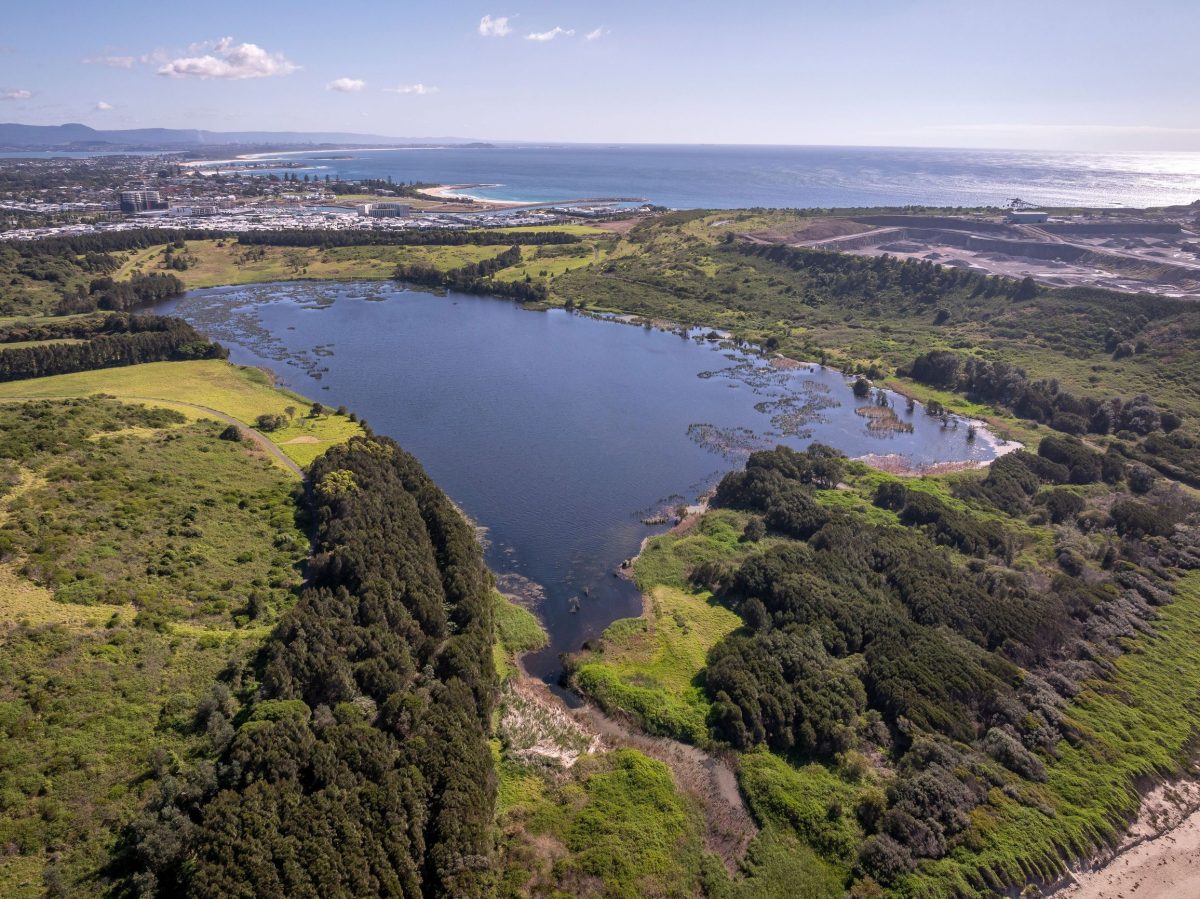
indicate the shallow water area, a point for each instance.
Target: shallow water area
{"x":558,"y":433}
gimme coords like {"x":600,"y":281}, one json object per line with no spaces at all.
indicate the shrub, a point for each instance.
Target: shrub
{"x":1061,"y":504}
{"x":1141,"y":479}
{"x":269,"y":422}
{"x":882,"y":858}
{"x":891,"y":495}
{"x":1133,"y":518}
{"x":1008,"y":751}
{"x":1082,"y":463}
{"x":938,"y":368}
{"x":754,"y":530}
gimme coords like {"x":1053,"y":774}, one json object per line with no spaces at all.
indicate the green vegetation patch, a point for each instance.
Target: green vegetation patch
{"x":809,"y":800}
{"x":670,"y":558}
{"x":138,"y":555}
{"x":615,"y":827}
{"x":517,"y":630}
{"x":1139,"y":725}
{"x":241,"y":392}
{"x":128,"y":518}
{"x":650,"y":667}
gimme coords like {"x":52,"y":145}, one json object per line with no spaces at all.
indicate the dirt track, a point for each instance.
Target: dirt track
{"x":247,"y":431}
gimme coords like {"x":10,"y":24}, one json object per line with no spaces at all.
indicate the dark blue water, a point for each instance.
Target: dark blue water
{"x":556,"y":432}
{"x":790,"y":177}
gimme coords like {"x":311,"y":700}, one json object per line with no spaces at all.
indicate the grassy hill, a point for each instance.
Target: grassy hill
{"x":139,"y":554}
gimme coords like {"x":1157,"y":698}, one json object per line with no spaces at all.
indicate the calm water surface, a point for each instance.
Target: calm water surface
{"x":556,"y":432}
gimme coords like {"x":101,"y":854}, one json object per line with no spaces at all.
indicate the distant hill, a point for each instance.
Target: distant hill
{"x":77,"y":136}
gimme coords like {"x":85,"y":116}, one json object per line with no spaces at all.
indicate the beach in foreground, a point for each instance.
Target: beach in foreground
{"x":1159,"y":858}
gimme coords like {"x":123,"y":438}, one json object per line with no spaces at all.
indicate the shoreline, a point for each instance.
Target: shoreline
{"x":455,"y":192}
{"x":1158,"y":856}
{"x":899,"y":464}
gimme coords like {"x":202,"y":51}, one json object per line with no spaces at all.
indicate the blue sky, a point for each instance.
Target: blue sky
{"x":1098,"y":75}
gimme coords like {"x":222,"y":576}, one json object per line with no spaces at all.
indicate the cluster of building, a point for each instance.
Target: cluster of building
{"x":140,"y":200}
{"x":289,"y":218}
{"x":385,"y":210}
{"x":127,"y":193}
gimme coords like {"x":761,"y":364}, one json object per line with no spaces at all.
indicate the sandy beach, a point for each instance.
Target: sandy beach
{"x":460,"y":192}
{"x":1158,"y":859}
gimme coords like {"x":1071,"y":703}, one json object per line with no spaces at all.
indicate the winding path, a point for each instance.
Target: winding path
{"x":247,"y":432}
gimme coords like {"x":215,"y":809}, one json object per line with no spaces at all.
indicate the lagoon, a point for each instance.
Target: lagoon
{"x":558,"y":433}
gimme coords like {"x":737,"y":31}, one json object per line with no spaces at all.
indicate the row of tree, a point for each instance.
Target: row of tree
{"x":847,"y":273}
{"x":442,"y":237}
{"x":1042,"y":401}
{"x":475,"y":277}
{"x":107,"y":343}
{"x":1153,"y":435}
{"x":78,"y":245}
{"x":140,"y":290}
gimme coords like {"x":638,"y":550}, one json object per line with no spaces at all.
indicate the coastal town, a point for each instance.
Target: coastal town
{"x":56,"y":197}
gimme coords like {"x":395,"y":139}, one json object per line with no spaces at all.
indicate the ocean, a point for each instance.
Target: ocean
{"x":728,"y":177}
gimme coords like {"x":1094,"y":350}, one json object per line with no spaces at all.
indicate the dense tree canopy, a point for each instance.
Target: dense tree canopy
{"x":923,"y":624}
{"x":361,"y":765}
{"x":475,"y":277}
{"x":107,"y":342}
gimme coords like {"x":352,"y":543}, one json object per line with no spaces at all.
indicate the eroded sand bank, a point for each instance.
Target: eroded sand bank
{"x":1159,"y":857}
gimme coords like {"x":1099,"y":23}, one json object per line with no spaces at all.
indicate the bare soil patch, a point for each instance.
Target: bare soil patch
{"x":708,"y":780}
{"x":817,"y":229}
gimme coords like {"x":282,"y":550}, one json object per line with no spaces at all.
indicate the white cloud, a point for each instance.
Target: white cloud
{"x":15,"y":94}
{"x":596,"y":33}
{"x":346,"y":85}
{"x":113,"y":62}
{"x":229,"y":61}
{"x":497,"y":27}
{"x":101,"y":106}
{"x":551,"y":34}
{"x":412,"y":89}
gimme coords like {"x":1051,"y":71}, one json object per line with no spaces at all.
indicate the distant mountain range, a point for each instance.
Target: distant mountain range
{"x":81,"y":137}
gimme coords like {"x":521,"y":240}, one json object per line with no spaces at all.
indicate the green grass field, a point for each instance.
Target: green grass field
{"x":216,"y":263}
{"x":25,"y":344}
{"x":581,"y":230}
{"x":649,"y":667}
{"x":213,"y":263}
{"x":241,"y":392}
